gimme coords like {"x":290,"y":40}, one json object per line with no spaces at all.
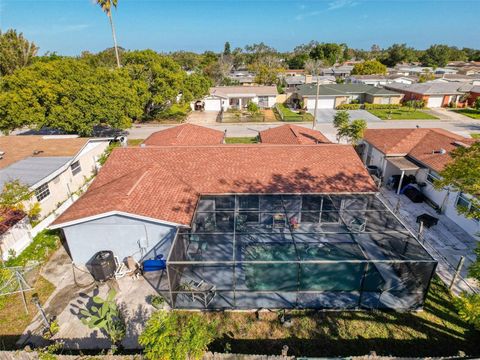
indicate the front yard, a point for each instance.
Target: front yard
{"x":403,"y":113}
{"x":285,"y":114}
{"x":471,"y":113}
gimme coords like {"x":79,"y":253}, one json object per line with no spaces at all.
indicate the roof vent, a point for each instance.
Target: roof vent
{"x":2,"y":153}
{"x":37,"y":152}
{"x":441,"y":151}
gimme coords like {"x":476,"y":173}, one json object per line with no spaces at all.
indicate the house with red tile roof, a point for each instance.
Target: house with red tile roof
{"x":185,"y":134}
{"x":235,"y":225}
{"x":420,"y":154}
{"x":292,"y":134}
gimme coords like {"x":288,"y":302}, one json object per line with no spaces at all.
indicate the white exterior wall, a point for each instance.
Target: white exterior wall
{"x":213,"y":104}
{"x":62,"y":186}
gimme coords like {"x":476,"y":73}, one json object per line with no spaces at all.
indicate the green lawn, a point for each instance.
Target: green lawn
{"x":435,"y":331}
{"x":134,"y":142}
{"x":472,"y":113}
{"x":241,"y":140}
{"x":402,"y":114}
{"x":475,"y":135}
{"x":289,"y":115}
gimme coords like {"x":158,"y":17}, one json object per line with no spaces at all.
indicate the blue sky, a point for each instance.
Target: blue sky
{"x":70,"y":26}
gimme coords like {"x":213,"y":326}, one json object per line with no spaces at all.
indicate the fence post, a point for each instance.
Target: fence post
{"x":457,"y":272}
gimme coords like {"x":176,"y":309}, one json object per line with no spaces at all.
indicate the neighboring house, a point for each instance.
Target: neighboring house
{"x":186,"y":134}
{"x":375,"y":80}
{"x":252,"y":226}
{"x":294,"y":72}
{"x":474,"y":80}
{"x":434,"y":94}
{"x":474,"y":95}
{"x":294,"y":81}
{"x":237,"y":97}
{"x":422,"y":153}
{"x":293,"y":135}
{"x":242,"y":77}
{"x":338,"y":71}
{"x":402,"y":79}
{"x":331,"y":96}
{"x":53,"y":167}
{"x":419,"y":70}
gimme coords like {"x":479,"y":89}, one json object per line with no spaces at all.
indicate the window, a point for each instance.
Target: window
{"x":432,"y":177}
{"x":249,"y":202}
{"x":75,"y":167}
{"x":464,"y":202}
{"x":42,"y":192}
{"x":263,"y":101}
{"x":225,"y":203}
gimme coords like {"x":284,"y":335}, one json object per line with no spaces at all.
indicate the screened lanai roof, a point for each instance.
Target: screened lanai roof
{"x":298,"y":228}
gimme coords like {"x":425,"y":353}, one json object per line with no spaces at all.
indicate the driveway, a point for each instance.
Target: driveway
{"x":327,"y":115}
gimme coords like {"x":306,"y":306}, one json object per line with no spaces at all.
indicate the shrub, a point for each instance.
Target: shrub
{"x":349,"y":107}
{"x":176,"y":336}
{"x":381,"y":106}
{"x":42,"y":246}
{"x":103,"y":158}
{"x":476,"y":105}
{"x":415,"y":104}
{"x":253,"y":108}
{"x":468,"y":307}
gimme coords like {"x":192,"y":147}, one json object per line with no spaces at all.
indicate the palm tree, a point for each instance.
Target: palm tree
{"x":106,"y":6}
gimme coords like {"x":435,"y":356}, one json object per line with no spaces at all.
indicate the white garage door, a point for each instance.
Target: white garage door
{"x":212,"y":104}
{"x":323,"y":103}
{"x":435,"y":101}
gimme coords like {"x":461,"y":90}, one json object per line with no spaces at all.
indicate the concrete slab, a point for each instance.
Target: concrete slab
{"x":327,"y":115}
{"x":446,"y":241}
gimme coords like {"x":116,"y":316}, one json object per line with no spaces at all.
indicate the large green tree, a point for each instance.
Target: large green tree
{"x":440,"y":55}
{"x":15,"y":51}
{"x":329,"y":53}
{"x":369,"y":67}
{"x":70,"y":95}
{"x":399,"y":53}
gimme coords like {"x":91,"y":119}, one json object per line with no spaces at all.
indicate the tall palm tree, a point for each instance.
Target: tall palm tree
{"x":106,"y":6}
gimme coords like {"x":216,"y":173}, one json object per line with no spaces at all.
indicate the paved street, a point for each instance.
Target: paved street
{"x":327,"y":115}
{"x":464,"y":127}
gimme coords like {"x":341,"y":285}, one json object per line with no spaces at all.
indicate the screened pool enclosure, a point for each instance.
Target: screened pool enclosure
{"x":296,"y":251}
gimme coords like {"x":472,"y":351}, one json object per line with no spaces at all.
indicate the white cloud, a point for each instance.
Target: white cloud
{"x":338,"y":4}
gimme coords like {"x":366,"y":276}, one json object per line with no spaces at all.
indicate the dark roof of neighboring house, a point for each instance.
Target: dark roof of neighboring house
{"x":185,"y":134}
{"x":419,"y":144}
{"x":432,"y":88}
{"x":165,"y":183}
{"x":344,"y":90}
{"x":292,"y":134}
{"x":9,"y":218}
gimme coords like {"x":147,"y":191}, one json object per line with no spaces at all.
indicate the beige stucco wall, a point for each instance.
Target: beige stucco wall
{"x":62,"y":186}
{"x":379,"y":99}
{"x":339,"y":100}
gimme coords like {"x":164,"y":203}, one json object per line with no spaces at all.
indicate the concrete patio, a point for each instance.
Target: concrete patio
{"x":74,"y":290}
{"x":446,"y":241}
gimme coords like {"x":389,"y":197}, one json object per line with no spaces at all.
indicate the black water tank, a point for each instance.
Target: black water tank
{"x":102,"y":266}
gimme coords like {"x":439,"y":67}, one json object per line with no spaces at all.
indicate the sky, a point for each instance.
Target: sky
{"x":69,"y":27}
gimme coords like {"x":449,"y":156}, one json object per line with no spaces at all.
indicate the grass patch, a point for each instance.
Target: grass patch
{"x":402,"y":114}
{"x":435,"y":331}
{"x":13,"y":319}
{"x":135,"y":142}
{"x":471,"y":113}
{"x":285,"y":114}
{"x":241,"y":140}
{"x":475,"y":135}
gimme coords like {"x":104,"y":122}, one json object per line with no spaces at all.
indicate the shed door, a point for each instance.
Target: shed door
{"x":435,"y":101}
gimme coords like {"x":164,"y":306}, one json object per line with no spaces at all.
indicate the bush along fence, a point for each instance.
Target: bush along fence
{"x":283,"y":113}
{"x":368,"y":106}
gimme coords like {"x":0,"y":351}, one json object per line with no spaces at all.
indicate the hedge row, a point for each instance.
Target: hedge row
{"x":367,"y":106}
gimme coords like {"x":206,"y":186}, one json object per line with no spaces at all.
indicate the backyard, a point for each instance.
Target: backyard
{"x":403,"y":113}
{"x":472,"y":113}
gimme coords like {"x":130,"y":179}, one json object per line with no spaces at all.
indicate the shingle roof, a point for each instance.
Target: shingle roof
{"x":292,"y":134}
{"x":164,"y":183}
{"x":21,"y":147}
{"x":185,"y":134}
{"x":430,"y":88}
{"x":344,"y":89}
{"x":418,"y":144}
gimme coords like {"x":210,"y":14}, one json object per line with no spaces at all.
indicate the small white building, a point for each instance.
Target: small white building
{"x":53,"y":167}
{"x":420,"y":154}
{"x":236,"y":97}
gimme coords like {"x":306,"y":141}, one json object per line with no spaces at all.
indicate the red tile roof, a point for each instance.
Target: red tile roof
{"x":418,"y":144}
{"x":164,"y":183}
{"x":185,"y":134}
{"x":292,"y":134}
